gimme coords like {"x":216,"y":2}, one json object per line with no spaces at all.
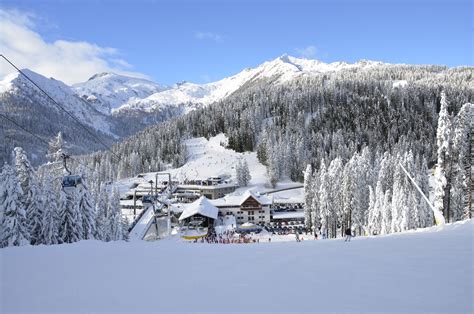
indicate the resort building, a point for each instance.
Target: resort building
{"x":248,"y":207}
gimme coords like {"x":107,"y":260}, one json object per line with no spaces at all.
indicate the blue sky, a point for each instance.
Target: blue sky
{"x":202,"y":41}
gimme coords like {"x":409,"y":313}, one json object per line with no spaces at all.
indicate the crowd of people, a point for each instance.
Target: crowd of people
{"x":231,"y":236}
{"x":227,"y":237}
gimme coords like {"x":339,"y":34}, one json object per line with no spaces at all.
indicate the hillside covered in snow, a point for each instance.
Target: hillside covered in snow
{"x":109,"y":91}
{"x":115,"y":106}
{"x":278,"y":71}
{"x":404,"y":272}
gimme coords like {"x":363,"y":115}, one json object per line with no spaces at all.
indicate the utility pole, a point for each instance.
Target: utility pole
{"x":134,"y":204}
{"x":439,"y":218}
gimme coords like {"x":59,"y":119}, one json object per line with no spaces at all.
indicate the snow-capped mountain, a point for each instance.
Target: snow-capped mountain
{"x":121,"y":95}
{"x":280,"y":70}
{"x":116,"y":106}
{"x":109,"y":91}
{"x":16,"y":84}
{"x":28,"y":107}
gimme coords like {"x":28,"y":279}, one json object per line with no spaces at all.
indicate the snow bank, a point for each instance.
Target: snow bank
{"x":428,"y":271}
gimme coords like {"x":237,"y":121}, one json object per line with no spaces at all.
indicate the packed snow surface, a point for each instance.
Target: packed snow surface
{"x":211,"y":158}
{"x":426,"y":271}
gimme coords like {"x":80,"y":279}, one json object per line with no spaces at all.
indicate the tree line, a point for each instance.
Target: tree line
{"x":371,"y":193}
{"x":35,"y":209}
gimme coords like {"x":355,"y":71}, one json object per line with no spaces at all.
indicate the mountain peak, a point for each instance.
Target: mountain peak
{"x":99,"y":75}
{"x":284,"y":57}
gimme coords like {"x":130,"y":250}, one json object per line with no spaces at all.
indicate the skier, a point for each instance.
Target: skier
{"x":297,"y":236}
{"x":348,"y":234}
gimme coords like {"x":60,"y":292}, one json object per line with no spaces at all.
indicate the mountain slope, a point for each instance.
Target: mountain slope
{"x":60,"y":92}
{"x":109,"y":91}
{"x":280,"y":70}
{"x":22,"y":102}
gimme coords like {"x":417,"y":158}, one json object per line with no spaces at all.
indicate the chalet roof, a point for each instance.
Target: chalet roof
{"x":201,"y":206}
{"x":237,"y":200}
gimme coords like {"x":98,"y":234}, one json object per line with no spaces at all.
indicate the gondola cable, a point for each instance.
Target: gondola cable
{"x":63,"y":109}
{"x":64,"y":156}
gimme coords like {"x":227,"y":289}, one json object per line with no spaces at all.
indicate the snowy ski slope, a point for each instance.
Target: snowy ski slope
{"x":425,"y":271}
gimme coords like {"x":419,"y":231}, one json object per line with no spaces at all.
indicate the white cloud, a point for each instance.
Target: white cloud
{"x":68,"y":61}
{"x":208,"y":35}
{"x":307,"y":52}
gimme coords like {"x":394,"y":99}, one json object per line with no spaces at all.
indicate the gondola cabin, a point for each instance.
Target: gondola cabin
{"x":71,"y":182}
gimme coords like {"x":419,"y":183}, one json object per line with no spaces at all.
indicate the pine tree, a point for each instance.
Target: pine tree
{"x":348,"y":192}
{"x":125,"y":226}
{"x":115,"y":219}
{"x":462,"y":164}
{"x":273,"y":168}
{"x":242,"y":172}
{"x":425,"y":213}
{"x":246,"y":172}
{"x":308,"y":196}
{"x":387,"y":213}
{"x":70,"y":228}
{"x":336,"y":205}
{"x":87,"y":210}
{"x":102,"y":215}
{"x":31,"y":198}
{"x":324,"y":199}
{"x":373,"y":227}
{"x":14,"y":228}
{"x":50,"y":233}
{"x":315,"y":209}
{"x":443,"y":139}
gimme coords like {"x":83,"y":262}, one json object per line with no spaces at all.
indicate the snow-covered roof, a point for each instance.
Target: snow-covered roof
{"x":288,"y":215}
{"x":237,"y":200}
{"x":201,"y":206}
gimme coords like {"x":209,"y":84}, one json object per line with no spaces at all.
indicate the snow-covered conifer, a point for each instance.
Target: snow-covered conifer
{"x":87,"y":210}
{"x":443,"y":140}
{"x":14,"y":228}
{"x":31,"y":197}
{"x":387,"y":213}
{"x":324,"y":201}
{"x":242,"y":172}
{"x":115,"y":219}
{"x":70,"y":227}
{"x":102,"y":215}
{"x":461,"y":189}
{"x":50,"y":232}
{"x":315,"y":206}
{"x":308,"y":195}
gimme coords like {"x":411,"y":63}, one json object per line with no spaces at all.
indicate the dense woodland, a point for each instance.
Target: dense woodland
{"x":351,"y":123}
{"x":35,"y":209}
{"x":344,"y":134}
